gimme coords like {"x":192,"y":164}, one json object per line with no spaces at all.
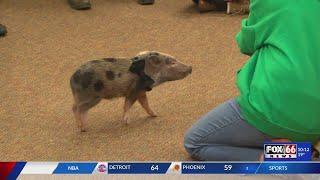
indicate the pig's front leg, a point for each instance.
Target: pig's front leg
{"x":129,"y":101}
{"x":143,"y":100}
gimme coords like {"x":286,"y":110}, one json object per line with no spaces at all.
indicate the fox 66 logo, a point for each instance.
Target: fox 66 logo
{"x":280,"y":151}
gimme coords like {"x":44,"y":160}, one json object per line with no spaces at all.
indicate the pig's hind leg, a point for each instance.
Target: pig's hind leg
{"x":81,"y":111}
{"x":76,"y":113}
{"x":75,"y":108}
{"x":129,"y":101}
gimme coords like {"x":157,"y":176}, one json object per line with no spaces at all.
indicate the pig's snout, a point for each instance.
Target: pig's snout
{"x":189,"y":71}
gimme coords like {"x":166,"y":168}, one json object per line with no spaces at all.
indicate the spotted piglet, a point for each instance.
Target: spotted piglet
{"x":110,"y":78}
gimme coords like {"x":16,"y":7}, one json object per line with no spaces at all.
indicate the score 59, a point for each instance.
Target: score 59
{"x":227,"y":167}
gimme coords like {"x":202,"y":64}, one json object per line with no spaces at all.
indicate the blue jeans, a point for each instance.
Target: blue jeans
{"x":223,"y":135}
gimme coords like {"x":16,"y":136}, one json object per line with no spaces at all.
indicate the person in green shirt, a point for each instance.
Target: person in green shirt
{"x":279,"y":85}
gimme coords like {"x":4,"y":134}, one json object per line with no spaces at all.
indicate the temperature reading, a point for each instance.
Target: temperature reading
{"x":227,"y":167}
{"x":154,"y":167}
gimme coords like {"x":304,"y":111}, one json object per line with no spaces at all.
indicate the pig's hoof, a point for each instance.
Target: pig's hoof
{"x":153,"y":115}
{"x":126,"y":120}
{"x":83,"y":130}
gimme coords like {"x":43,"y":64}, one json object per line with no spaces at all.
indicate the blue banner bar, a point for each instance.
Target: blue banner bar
{"x":219,"y":168}
{"x":191,"y":168}
{"x":138,"y":168}
{"x":251,"y":168}
{"x":75,"y":168}
{"x":289,"y":168}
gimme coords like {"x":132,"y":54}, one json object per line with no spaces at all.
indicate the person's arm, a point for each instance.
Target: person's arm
{"x":262,"y":22}
{"x":246,"y":39}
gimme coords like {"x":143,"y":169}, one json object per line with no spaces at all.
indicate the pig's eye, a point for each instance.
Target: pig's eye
{"x":170,"y":62}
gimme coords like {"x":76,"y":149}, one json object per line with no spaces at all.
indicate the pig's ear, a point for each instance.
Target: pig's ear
{"x":137,"y":66}
{"x":154,"y":60}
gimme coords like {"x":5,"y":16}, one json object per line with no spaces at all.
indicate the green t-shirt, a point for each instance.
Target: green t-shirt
{"x":280,"y":84}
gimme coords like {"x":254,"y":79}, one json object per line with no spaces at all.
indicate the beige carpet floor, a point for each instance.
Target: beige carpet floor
{"x":47,"y":41}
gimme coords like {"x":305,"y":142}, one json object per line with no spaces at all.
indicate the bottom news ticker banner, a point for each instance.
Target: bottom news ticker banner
{"x":12,"y":170}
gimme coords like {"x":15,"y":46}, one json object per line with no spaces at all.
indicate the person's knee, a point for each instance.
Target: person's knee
{"x":191,"y":142}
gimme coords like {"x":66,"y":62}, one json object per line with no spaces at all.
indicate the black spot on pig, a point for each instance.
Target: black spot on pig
{"x":86,"y":79}
{"x":110,"y":75}
{"x":109,"y":59}
{"x":145,"y":83}
{"x":98,"y":86}
{"x":137,"y":67}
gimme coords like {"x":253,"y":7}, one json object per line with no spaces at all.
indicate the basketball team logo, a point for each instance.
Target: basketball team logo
{"x":102,"y":168}
{"x":174,"y":168}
